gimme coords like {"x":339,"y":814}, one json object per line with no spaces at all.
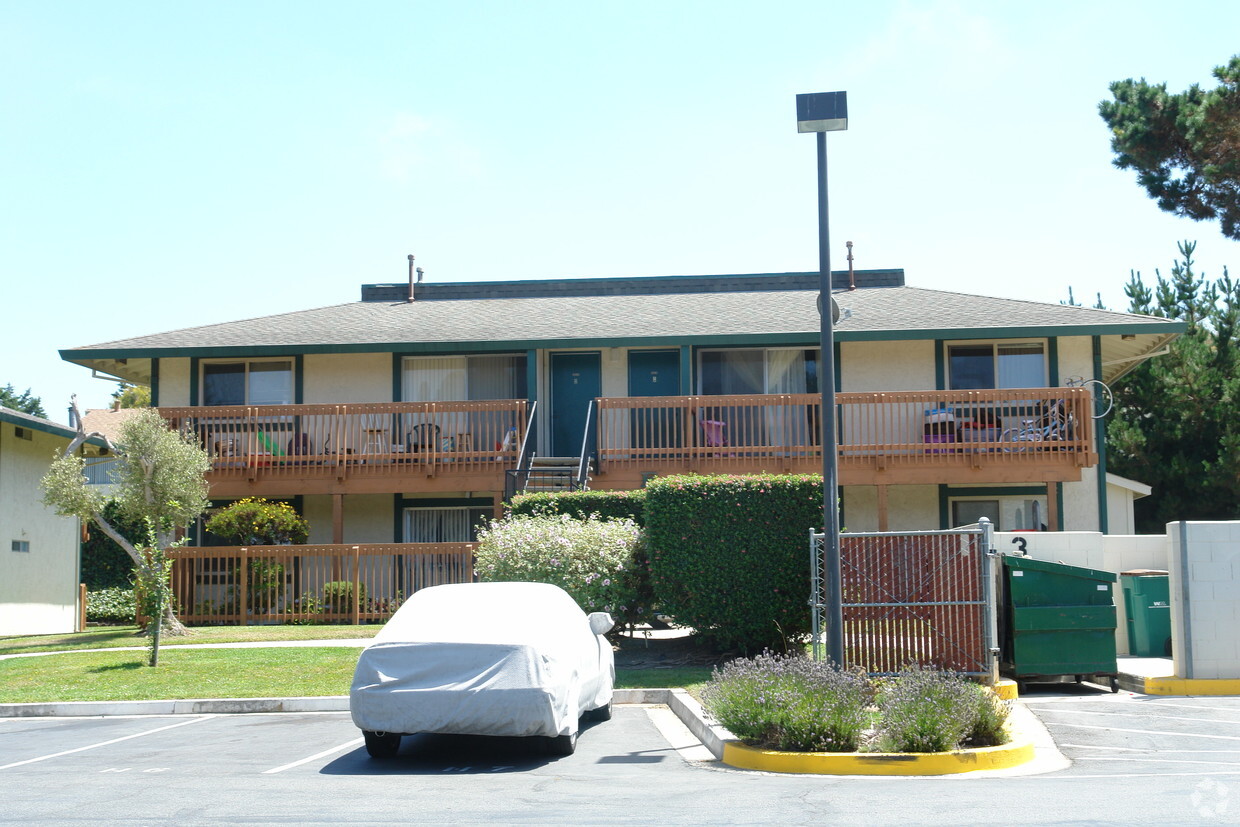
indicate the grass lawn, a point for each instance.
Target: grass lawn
{"x":106,"y":637}
{"x":217,"y":673}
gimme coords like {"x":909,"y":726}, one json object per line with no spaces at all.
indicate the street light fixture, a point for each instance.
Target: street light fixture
{"x":821,"y":113}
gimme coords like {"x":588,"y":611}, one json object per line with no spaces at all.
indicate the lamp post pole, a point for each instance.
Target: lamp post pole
{"x":822,"y":113}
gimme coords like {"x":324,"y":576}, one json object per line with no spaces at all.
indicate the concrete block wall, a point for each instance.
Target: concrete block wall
{"x":1205,"y":599}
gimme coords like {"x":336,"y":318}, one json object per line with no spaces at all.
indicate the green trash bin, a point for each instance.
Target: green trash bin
{"x":1147,"y":610}
{"x":1059,"y":622}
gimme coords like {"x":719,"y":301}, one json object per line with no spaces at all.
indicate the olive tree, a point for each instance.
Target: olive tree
{"x":158,"y":481}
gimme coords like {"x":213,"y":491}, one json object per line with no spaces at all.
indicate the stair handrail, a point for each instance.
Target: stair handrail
{"x":522,"y":456}
{"x":514,"y":482}
{"x":583,"y":465}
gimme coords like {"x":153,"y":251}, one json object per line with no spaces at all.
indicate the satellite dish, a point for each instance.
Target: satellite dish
{"x":835,"y":309}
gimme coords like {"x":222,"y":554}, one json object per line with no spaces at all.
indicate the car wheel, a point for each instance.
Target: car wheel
{"x":603,"y":713}
{"x":382,"y":744}
{"x":562,"y":744}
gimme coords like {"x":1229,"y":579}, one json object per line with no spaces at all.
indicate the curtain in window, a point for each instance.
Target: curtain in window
{"x":496,"y":377}
{"x":439,"y":525}
{"x":433,"y":379}
{"x":1021,"y":366}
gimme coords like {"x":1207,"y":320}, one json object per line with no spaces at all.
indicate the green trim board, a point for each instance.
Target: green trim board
{"x":1052,"y":361}
{"x":1100,"y":439}
{"x":154,"y":383}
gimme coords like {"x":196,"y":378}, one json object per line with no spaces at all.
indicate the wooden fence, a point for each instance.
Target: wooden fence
{"x":231,"y":585}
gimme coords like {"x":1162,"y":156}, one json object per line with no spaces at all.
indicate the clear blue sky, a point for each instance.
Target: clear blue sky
{"x":164,"y":165}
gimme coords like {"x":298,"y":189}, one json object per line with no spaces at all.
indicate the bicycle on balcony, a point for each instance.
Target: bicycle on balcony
{"x":1057,"y":421}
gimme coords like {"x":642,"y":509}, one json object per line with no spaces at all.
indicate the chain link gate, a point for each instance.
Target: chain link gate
{"x":913,"y":597}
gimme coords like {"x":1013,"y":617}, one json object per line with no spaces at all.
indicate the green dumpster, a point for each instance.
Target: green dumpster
{"x":1147,"y":610}
{"x":1059,"y":622}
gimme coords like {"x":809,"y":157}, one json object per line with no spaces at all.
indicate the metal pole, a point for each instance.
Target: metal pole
{"x":830,"y":475}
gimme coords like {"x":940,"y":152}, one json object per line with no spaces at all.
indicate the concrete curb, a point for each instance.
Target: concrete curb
{"x":200,"y":706}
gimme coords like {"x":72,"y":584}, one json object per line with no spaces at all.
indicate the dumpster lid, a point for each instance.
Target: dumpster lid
{"x":1029,"y":564}
{"x":1143,"y":573}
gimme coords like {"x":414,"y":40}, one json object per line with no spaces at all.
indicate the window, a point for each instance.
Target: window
{"x":1005,"y":513}
{"x":997,"y":365}
{"x":23,"y":433}
{"x":444,"y":525}
{"x":248,"y":382}
{"x":461,"y":378}
{"x":758,"y":370}
{"x":22,"y":546}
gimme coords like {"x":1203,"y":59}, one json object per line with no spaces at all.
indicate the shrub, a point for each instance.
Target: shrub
{"x":255,"y":521}
{"x":729,"y":556}
{"x":606,"y":505}
{"x":790,"y":703}
{"x":598,"y":562}
{"x":110,"y":605}
{"x":338,"y":596}
{"x":929,"y":711}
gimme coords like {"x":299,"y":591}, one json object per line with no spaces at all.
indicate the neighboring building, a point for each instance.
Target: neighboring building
{"x":39,"y":570}
{"x":406,"y":416}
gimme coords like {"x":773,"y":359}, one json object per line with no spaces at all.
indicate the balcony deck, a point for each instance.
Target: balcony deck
{"x":279,"y":450}
{"x":884,"y":439}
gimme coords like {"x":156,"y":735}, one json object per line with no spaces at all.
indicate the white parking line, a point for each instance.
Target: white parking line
{"x":314,"y":757}
{"x":1149,"y":732}
{"x":1093,"y":712}
{"x":107,"y":743}
{"x":1156,"y":758}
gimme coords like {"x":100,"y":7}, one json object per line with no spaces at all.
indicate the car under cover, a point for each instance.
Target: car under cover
{"x":511,"y":659}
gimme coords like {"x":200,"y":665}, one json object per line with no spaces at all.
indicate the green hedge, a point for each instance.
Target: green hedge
{"x":608,"y":505}
{"x":729,"y":555}
{"x":104,"y":563}
{"x":110,"y":605}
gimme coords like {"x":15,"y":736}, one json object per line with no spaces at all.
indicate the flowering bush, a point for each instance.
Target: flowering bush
{"x":594,"y":560}
{"x":255,"y":521}
{"x":923,"y":710}
{"x":790,"y":703}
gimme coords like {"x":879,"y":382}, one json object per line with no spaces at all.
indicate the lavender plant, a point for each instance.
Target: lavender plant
{"x":789,"y":702}
{"x":596,"y":561}
{"x":924,"y":710}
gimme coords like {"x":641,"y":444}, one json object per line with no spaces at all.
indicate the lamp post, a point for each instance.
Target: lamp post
{"x":821,"y":113}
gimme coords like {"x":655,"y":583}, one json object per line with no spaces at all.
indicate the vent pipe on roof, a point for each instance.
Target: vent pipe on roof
{"x":852,"y":277}
{"x":410,"y":298}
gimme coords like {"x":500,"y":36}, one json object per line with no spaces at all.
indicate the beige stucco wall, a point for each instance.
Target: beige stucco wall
{"x":174,"y":382}
{"x":347,"y":377}
{"x":1076,"y":357}
{"x":367,"y":518}
{"x":39,"y":588}
{"x":886,"y":366}
{"x":909,"y":507}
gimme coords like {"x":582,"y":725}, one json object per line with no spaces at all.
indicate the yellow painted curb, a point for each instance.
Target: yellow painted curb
{"x":1003,"y":757}
{"x":1006,"y":690}
{"x":1186,"y":686}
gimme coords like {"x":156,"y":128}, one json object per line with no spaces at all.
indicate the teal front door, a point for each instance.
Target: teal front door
{"x":655,"y":373}
{"x":576,"y":378}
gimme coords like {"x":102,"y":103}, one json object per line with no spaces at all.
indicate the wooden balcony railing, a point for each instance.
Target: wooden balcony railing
{"x":356,"y":441}
{"x":875,"y":431}
{"x":310,"y":583}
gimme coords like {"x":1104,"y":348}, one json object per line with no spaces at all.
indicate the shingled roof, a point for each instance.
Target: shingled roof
{"x":702,"y":310}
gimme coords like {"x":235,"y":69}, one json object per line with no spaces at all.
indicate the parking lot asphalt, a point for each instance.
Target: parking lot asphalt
{"x":1135,"y":759}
